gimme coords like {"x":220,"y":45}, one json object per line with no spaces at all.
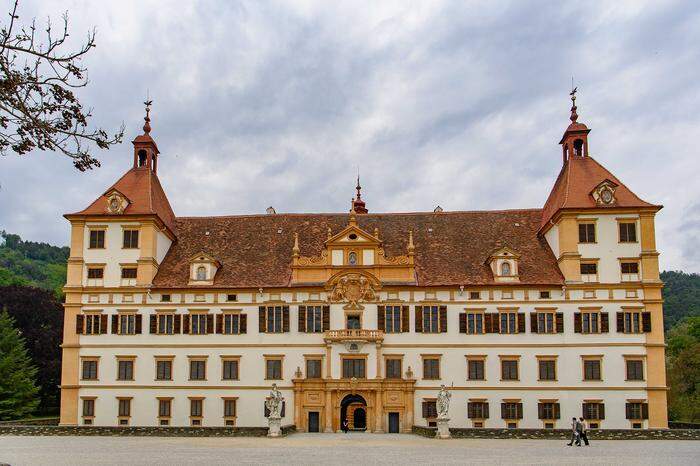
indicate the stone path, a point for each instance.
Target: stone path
{"x":332,"y":449}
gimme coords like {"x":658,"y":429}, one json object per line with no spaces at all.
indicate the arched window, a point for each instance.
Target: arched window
{"x":142,"y":158}
{"x":352,"y":258}
{"x":201,"y":273}
{"x":505,"y":269}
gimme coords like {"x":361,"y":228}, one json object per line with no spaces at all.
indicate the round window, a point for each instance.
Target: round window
{"x":352,"y":236}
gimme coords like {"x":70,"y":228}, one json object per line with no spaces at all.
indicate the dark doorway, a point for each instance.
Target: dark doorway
{"x":393,"y":423}
{"x":354,"y":409}
{"x":313,"y":421}
{"x":360,"y":419}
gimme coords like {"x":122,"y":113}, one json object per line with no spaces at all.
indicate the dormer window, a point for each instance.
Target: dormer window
{"x":203,"y":269}
{"x":201,"y":273}
{"x":504,"y":265}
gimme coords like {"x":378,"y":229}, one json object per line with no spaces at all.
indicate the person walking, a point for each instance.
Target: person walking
{"x":345,"y":425}
{"x":574,"y":436}
{"x":579,"y":429}
{"x":584,"y":431}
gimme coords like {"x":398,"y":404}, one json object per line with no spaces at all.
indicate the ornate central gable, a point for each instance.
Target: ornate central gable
{"x":352,"y":251}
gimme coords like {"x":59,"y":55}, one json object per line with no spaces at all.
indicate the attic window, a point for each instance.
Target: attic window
{"x":352,"y":236}
{"x":201,"y":273}
{"x":505,"y":269}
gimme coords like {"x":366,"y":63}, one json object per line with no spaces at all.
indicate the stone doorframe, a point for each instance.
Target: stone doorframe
{"x":382,"y":396}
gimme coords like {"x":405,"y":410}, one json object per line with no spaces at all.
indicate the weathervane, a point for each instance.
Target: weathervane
{"x":147,"y":118}
{"x":574,"y":115}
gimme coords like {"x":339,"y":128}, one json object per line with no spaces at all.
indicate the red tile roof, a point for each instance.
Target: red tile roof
{"x":577,"y":179}
{"x":145,"y":194}
{"x":451,"y":248}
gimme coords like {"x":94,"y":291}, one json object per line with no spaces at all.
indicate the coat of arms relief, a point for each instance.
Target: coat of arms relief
{"x":353,"y":288}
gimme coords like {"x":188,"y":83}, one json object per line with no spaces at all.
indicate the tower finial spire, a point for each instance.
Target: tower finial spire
{"x":147,"y":118}
{"x":357,"y":203}
{"x":574,"y":115}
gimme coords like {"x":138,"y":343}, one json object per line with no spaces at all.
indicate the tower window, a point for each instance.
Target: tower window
{"x":142,"y":158}
{"x":578,"y":147}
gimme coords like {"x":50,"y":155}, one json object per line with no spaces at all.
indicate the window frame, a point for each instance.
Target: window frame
{"x":476,"y":358}
{"x":87,"y":401}
{"x":395,"y":359}
{"x":627,"y":222}
{"x":227,"y":359}
{"x":163,"y":317}
{"x":508,"y":313}
{"x":165,"y":401}
{"x":121,"y":402}
{"x":354,"y":357}
{"x":547,"y":359}
{"x":90,"y":359}
{"x":425,"y":358}
{"x":545,"y":322}
{"x":97,"y":230}
{"x":429,"y":310}
{"x":390,"y":314}
{"x":127,"y":361}
{"x":635,"y":358}
{"x":197,"y":359}
{"x":630,"y":277}
{"x":270,"y":358}
{"x":163,"y":359}
{"x":588,"y":359}
{"x":478,"y":321}
{"x":130,"y":231}
{"x":588,"y":225}
{"x":316,"y":358}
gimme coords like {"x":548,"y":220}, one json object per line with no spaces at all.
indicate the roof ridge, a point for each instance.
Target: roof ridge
{"x":373,"y":214}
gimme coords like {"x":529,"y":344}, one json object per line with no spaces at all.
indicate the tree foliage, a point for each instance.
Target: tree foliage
{"x":38,"y":315}
{"x":32,"y":263}
{"x":38,"y":105}
{"x":681,"y":296}
{"x":683,"y":369}
{"x":18,"y":391}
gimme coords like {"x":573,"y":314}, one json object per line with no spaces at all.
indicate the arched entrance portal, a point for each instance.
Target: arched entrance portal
{"x":354,"y":409}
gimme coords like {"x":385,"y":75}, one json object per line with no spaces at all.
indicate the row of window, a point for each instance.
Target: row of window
{"x":130,"y":239}
{"x":356,"y":367}
{"x":627,"y":232}
{"x":629,"y":271}
{"x":512,"y":411}
{"x":391,"y":319}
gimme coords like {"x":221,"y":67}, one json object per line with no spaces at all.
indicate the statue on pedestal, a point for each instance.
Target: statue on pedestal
{"x":443,"y":408}
{"x":274,"y":407}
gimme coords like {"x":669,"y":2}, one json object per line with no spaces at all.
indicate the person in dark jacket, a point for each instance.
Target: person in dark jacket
{"x":344,"y":426}
{"x":584,"y":431}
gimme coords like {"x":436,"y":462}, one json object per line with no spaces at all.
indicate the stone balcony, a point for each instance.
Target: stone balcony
{"x":347,"y":335}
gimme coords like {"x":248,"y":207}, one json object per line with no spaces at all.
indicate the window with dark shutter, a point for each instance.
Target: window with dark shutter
{"x":419,"y":319}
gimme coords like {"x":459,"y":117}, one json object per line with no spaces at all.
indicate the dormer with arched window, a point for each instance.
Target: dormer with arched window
{"x":504,"y":265}
{"x":203,"y":268}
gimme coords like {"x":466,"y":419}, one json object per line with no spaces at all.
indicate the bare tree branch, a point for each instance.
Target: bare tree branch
{"x":38,"y":109}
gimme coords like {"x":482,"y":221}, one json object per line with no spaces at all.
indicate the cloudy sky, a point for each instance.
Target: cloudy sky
{"x":460,"y":104}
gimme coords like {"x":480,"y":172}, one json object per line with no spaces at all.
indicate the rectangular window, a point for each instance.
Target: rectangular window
{"x":229,"y":408}
{"x":196,"y":408}
{"x":95,"y":273}
{"x":634,"y":369}
{"x":164,"y":408}
{"x":549,"y":411}
{"x":511,"y":410}
{"x":313,"y":368}
{"x":274,"y":317}
{"x":198,"y":369}
{"x":127,"y":324}
{"x":477,"y":410}
{"x":125,"y":369}
{"x":198,"y":324}
{"x":273,"y":369}
{"x":392,"y":319}
{"x":545,"y":322}
{"x":429,"y":409}
{"x":509,"y":369}
{"x":164,"y":369}
{"x":590,"y":322}
{"x":475,"y":322}
{"x":231,"y":297}
{"x":89,"y":369}
{"x":314,"y":319}
{"x":545,"y":295}
{"x":589,"y":272}
{"x":88,"y":407}
{"x":509,"y":322}
{"x":629,"y":271}
{"x":431,"y":368}
{"x":131,"y":239}
{"x":628,"y":232}
{"x":354,"y":368}
{"x":165,"y":323}
{"x":232,"y":324}
{"x":547,"y":369}
{"x":593,"y":410}
{"x":97,"y":239}
{"x":474,"y":295}
{"x":124,"y":407}
{"x":586,"y":232}
{"x":431,"y":319}
{"x":230,"y":369}
{"x":92,"y":324}
{"x":475,"y":369}
{"x":591,"y":369}
{"x":165,"y":298}
{"x":632,"y":322}
{"x":637,"y":410}
{"x":393,"y":368}
{"x":128,"y":273}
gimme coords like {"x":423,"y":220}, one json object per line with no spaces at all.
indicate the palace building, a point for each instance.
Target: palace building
{"x":529,"y":316}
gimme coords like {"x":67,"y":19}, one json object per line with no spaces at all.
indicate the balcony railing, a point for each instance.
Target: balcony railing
{"x":354,"y":334}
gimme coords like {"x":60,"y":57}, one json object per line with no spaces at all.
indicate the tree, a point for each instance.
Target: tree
{"x":18,"y":391}
{"x":38,"y":315}
{"x":38,"y":108}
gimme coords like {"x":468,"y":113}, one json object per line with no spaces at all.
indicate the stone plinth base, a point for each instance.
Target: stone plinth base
{"x":443,"y":429}
{"x":275,"y":427}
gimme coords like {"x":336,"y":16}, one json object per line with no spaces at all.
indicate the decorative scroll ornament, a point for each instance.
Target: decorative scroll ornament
{"x":314,"y":260}
{"x":353,"y":288}
{"x":116,"y":203}
{"x":604,"y":194}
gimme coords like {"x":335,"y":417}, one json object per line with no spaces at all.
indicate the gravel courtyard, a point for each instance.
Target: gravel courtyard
{"x":331,"y":449}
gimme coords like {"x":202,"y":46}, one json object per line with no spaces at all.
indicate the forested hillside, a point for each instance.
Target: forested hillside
{"x":30,"y":263}
{"x":681,"y":296}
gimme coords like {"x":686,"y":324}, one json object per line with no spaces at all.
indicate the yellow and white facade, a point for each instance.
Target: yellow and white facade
{"x":531,"y":317}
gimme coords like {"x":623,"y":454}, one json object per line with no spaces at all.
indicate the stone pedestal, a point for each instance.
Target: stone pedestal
{"x":275,"y":426}
{"x":443,"y":428}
